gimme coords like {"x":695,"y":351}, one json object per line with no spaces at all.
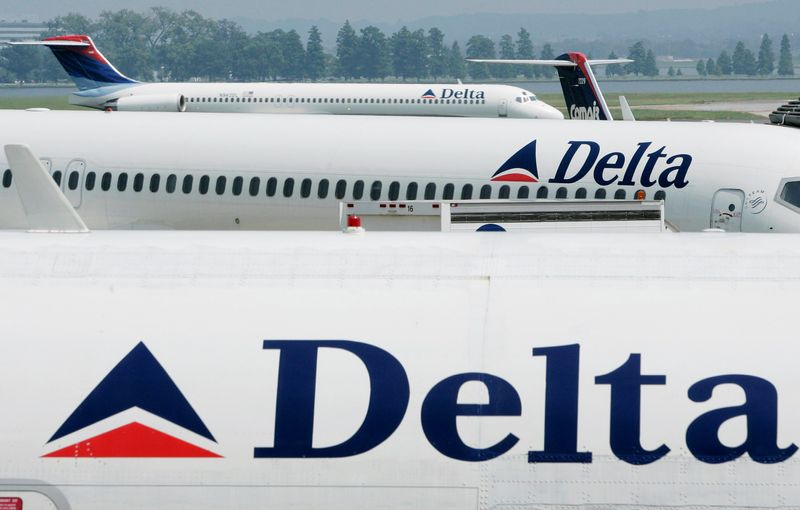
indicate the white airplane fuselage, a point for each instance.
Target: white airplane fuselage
{"x":215,"y":171}
{"x":235,"y":370}
{"x":446,"y":100}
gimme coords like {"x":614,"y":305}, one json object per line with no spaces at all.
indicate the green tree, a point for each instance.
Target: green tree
{"x":315,"y":55}
{"x":548,"y":54}
{"x":638,"y":54}
{"x":650,"y":67}
{"x":347,"y":51}
{"x":23,"y":62}
{"x":786,"y":61}
{"x":294,"y":55}
{"x":614,"y":69}
{"x":744,"y":62}
{"x":437,"y":60}
{"x":724,"y":64}
{"x":456,"y":66}
{"x":671,"y":72}
{"x":480,"y":46}
{"x":373,"y":54}
{"x":701,"y":68}
{"x":125,"y":36}
{"x":409,"y":53}
{"x":711,"y":67}
{"x":507,"y":52}
{"x":766,"y":57}
{"x":525,"y":52}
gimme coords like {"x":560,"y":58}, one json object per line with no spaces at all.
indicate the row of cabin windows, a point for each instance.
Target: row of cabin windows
{"x":220,"y":184}
{"x":346,"y":100}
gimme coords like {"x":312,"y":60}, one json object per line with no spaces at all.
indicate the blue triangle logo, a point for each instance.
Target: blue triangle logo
{"x":521,"y":167}
{"x":429,"y":94}
{"x":140,"y":381}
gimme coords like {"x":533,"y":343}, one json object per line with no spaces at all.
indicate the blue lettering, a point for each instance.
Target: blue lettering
{"x":626,"y":406}
{"x":760,"y":409}
{"x":441,"y":409}
{"x":627,"y":180}
{"x":679,"y":181}
{"x":447,"y":93}
{"x":561,"y":406}
{"x":606,"y":162}
{"x":561,"y":173}
{"x":297,"y":377}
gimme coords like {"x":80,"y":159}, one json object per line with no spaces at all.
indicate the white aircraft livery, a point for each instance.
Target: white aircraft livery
{"x":217,"y":171}
{"x":239,"y":371}
{"x":102,"y":86}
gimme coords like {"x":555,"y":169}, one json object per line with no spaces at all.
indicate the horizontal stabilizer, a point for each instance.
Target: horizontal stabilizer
{"x":46,"y":207}
{"x":555,"y":63}
{"x":50,"y":44}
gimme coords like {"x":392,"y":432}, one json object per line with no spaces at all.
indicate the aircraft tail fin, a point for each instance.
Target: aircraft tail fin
{"x":582,"y":93}
{"x":84,"y":63}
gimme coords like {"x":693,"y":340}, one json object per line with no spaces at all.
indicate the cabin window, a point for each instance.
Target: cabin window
{"x":91,"y":177}
{"x":341,"y":189}
{"x":255,"y":185}
{"x":272,"y":186}
{"x":523,"y":192}
{"x":73,"y":180}
{"x":57,"y":177}
{"x":305,"y":188}
{"x":358,"y":190}
{"x":105,"y":182}
{"x":505,"y":191}
{"x":186,"y":187}
{"x":660,"y":195}
{"x":172,"y":183}
{"x":288,"y":187}
{"x":411,"y":191}
{"x":430,"y":191}
{"x":203,"y":186}
{"x":580,"y":193}
{"x":619,"y":195}
{"x":138,"y":182}
{"x":322,"y":188}
{"x":466,"y":192}
{"x":155,"y":182}
{"x":600,"y":194}
{"x":448,"y":191}
{"x":561,"y":193}
{"x":394,"y":190}
{"x":541,"y":192}
{"x":486,"y":192}
{"x":238,"y":184}
{"x":7,"y":178}
{"x":222,"y":183}
{"x":375,"y":190}
{"x":122,"y":181}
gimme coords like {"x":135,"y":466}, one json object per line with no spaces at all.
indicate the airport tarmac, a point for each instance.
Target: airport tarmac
{"x":761,"y":108}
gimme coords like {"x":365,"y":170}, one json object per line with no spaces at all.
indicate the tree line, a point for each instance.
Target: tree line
{"x":165,"y":45}
{"x":745,"y":62}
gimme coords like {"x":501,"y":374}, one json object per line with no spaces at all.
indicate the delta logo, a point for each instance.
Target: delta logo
{"x":137,"y":390}
{"x":521,"y":167}
{"x":429,"y":94}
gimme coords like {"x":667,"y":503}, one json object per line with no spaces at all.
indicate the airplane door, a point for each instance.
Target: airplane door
{"x":726,"y":210}
{"x":502,"y":108}
{"x":72,"y":184}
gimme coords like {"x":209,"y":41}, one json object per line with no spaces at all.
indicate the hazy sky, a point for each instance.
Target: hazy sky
{"x":379,"y":11}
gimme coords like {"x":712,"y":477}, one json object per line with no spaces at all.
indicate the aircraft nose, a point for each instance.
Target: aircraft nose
{"x":550,"y":112}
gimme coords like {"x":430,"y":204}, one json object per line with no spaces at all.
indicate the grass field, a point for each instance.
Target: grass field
{"x":638,"y":102}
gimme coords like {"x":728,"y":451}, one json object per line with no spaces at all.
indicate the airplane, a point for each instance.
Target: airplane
{"x":218,"y":171}
{"x":322,"y":370}
{"x":582,"y":92}
{"x":102,"y":86}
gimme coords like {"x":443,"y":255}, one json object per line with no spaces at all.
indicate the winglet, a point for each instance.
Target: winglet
{"x":46,"y":207}
{"x":627,"y":113}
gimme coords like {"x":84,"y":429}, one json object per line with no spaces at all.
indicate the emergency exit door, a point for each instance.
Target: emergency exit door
{"x":726,"y":210}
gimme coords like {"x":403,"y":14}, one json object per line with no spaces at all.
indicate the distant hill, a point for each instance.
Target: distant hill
{"x":674,"y":31}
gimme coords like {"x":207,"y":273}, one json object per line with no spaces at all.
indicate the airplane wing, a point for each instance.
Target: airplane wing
{"x":555,"y":63}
